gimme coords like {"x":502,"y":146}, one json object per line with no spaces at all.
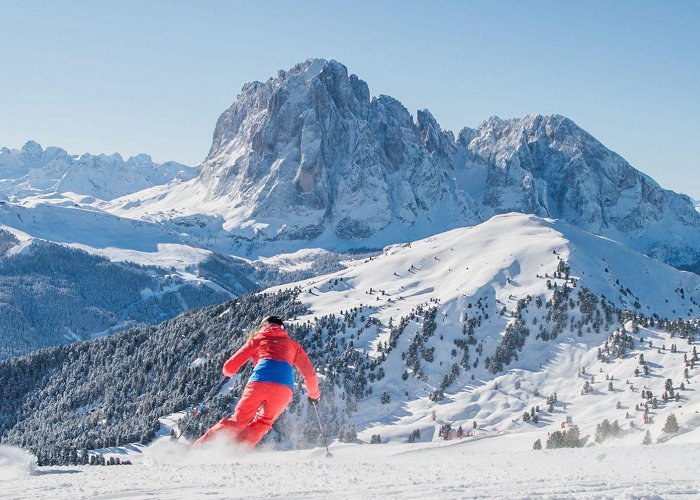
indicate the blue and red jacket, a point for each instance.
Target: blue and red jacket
{"x":274,"y":354}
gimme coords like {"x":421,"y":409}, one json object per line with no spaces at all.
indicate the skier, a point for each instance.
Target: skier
{"x":270,"y":388}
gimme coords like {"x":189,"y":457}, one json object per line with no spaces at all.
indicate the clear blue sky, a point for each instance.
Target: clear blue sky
{"x":153,"y":76}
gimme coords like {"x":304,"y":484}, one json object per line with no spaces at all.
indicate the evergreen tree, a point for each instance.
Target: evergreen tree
{"x":572,"y":437}
{"x":555,"y":440}
{"x":671,"y":425}
{"x":348,"y":434}
{"x":615,"y":429}
{"x":602,"y":431}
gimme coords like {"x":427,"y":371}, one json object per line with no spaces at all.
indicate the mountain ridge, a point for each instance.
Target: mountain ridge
{"x":32,"y":170}
{"x":310,"y":156}
{"x":310,"y":160}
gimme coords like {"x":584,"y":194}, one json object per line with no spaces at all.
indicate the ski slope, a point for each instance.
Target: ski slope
{"x":504,"y":259}
{"x":495,"y":264}
{"x":487,"y":468}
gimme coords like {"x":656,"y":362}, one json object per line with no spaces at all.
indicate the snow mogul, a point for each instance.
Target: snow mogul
{"x":271,"y":386}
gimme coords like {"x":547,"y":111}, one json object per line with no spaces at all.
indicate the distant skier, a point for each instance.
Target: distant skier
{"x":270,"y":388}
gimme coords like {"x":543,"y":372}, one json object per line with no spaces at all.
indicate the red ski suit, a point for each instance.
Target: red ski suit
{"x":270,"y":386}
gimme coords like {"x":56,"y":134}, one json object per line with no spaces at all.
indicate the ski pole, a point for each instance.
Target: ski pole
{"x":320,"y":426}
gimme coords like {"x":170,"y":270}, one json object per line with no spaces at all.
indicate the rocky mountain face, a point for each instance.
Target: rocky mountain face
{"x":310,"y":153}
{"x":310,"y":159}
{"x":33,"y":170}
{"x":547,"y":165}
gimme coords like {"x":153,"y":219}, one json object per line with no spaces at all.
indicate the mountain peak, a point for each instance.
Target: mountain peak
{"x":306,"y":71}
{"x":313,"y":84}
{"x":32,"y":151}
{"x":307,"y":155}
{"x":31,"y":145}
{"x":310,"y":142}
{"x":140,"y":159}
{"x":531,"y":120}
{"x":316,"y":65}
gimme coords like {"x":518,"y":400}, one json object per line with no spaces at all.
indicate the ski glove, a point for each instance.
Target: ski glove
{"x":313,"y":401}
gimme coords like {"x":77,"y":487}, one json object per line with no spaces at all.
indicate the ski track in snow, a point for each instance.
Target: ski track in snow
{"x":488,"y":468}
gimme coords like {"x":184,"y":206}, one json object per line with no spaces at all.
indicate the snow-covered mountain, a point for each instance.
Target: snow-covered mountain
{"x":308,"y":153}
{"x":502,"y":261}
{"x":548,"y":166}
{"x":513,"y":300}
{"x":515,"y":293}
{"x":483,"y":324}
{"x":309,"y":159}
{"x":34,"y":171}
{"x":55,"y":294}
{"x":474,"y":325}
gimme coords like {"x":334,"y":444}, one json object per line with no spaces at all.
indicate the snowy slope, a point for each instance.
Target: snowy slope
{"x":52,"y":294}
{"x":98,"y":232}
{"x":479,"y":282}
{"x":43,"y":295}
{"x":484,"y":273}
{"x":489,"y":468}
{"x":503,"y":259}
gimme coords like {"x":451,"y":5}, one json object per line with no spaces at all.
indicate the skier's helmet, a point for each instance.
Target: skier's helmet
{"x":272,"y":320}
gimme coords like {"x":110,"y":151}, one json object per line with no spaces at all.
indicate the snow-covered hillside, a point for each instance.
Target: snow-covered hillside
{"x":519,"y":306}
{"x":53,"y":294}
{"x":35,"y":172}
{"x":513,"y":330}
{"x":500,"y":262}
{"x":69,"y":273}
{"x":178,"y":264}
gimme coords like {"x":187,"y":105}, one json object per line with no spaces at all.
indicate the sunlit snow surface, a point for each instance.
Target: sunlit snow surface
{"x":502,"y":260}
{"x":486,"y":468}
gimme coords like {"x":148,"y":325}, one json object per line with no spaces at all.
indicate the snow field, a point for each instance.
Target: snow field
{"x":487,"y":468}
{"x":15,"y":463}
